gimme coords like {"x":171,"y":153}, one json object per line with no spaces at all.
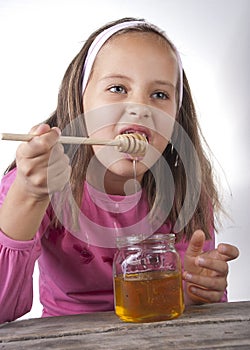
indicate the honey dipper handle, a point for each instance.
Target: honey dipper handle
{"x":62,"y":139}
{"x":134,"y":144}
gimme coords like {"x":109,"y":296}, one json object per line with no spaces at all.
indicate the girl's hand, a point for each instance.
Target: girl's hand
{"x":206,"y":273}
{"x":42,"y":166}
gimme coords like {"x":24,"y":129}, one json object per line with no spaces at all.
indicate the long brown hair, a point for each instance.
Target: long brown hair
{"x":70,"y":107}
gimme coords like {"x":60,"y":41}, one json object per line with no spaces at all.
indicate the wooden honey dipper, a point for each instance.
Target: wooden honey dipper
{"x":134,"y":144}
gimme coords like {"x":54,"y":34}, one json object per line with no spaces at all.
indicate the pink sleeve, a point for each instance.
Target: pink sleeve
{"x":17,"y":260}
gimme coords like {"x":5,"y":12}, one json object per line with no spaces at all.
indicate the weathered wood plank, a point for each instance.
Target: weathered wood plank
{"x":231,"y":335}
{"x":107,"y":321}
{"x":219,"y":326}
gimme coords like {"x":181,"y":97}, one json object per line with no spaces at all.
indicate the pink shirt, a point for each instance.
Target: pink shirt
{"x":75,"y":266}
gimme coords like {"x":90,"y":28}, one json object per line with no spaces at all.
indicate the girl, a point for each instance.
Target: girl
{"x":66,"y":205}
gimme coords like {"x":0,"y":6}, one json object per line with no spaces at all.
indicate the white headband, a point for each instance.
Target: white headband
{"x":106,"y":34}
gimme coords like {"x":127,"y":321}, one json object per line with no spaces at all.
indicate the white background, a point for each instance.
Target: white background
{"x":38,"y":39}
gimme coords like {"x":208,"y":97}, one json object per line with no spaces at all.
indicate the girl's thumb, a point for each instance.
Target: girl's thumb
{"x":196,"y":243}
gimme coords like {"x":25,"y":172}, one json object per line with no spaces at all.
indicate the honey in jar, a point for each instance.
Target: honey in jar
{"x":147,"y":279}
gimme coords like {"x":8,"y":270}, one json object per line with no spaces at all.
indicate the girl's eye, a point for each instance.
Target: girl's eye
{"x":118,"y":89}
{"x":160,"y":95}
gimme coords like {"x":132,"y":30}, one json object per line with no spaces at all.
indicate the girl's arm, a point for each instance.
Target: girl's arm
{"x":42,"y":168}
{"x":17,"y":259}
{"x":21,"y":215}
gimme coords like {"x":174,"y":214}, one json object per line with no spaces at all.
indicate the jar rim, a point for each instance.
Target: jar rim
{"x":140,"y":238}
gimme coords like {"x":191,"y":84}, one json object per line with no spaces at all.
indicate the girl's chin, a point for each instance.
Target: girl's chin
{"x":128,"y":167}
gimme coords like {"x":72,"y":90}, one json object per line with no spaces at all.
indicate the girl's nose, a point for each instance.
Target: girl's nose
{"x":138,"y":110}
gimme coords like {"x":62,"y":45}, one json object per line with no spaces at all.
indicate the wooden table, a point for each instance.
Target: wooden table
{"x":211,"y":326}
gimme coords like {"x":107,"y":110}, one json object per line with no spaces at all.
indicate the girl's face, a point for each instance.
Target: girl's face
{"x":132,"y":88}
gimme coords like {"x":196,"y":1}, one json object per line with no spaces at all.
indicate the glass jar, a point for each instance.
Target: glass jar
{"x":147,"y":279}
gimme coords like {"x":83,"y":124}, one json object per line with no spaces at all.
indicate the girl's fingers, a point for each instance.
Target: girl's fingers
{"x":43,"y":143}
{"x":215,"y":283}
{"x":230,"y":252}
{"x":204,"y":295}
{"x":206,"y":273}
{"x":43,"y":167}
{"x":196,"y":243}
{"x":218,"y":266}
{"x":40,"y":144}
{"x":39,"y":129}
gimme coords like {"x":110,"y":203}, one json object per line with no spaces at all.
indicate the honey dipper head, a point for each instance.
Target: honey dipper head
{"x":134,"y":144}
